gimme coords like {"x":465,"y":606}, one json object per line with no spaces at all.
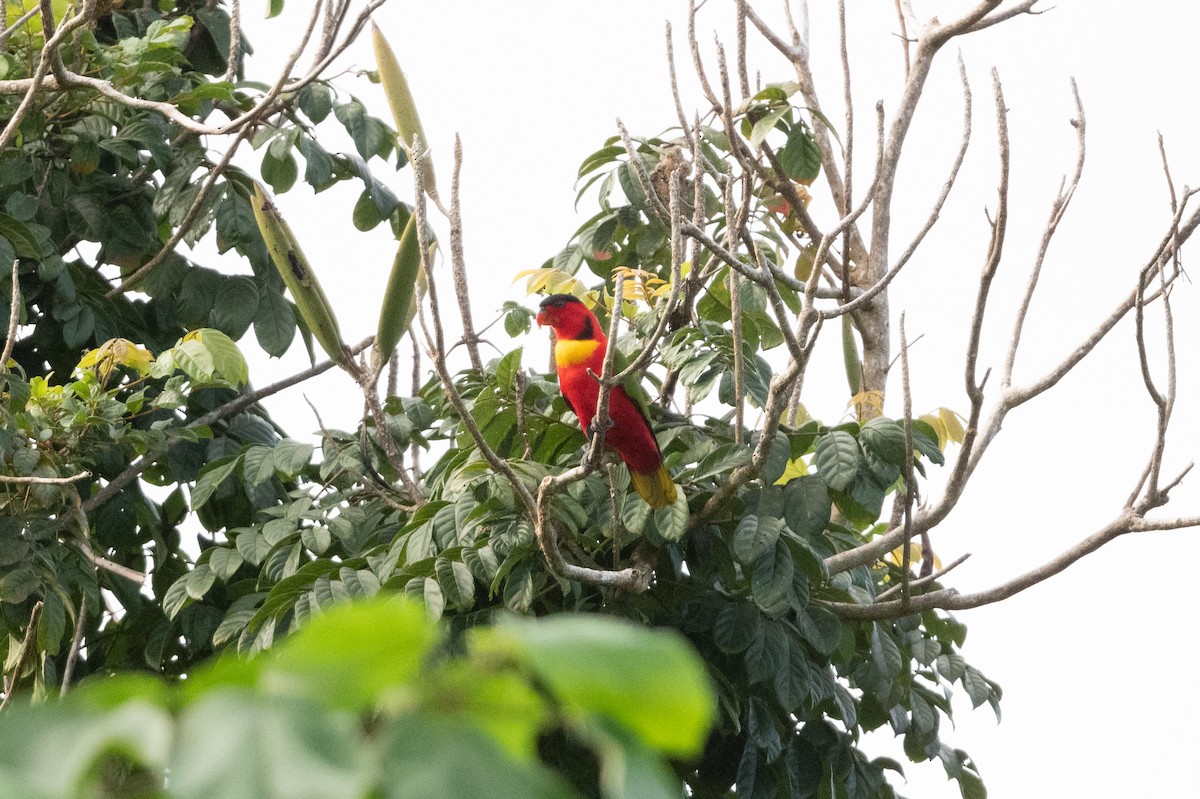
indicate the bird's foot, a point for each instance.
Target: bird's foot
{"x":594,"y":427}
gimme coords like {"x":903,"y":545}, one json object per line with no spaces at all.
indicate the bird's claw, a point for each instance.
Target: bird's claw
{"x":594,"y":427}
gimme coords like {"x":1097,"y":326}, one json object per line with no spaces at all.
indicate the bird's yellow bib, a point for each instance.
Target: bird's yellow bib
{"x":572,"y":352}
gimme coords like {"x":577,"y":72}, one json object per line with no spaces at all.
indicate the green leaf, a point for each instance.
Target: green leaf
{"x":252,"y":545}
{"x":211,"y":477}
{"x":800,"y":156}
{"x":369,"y":135}
{"x":736,"y":627}
{"x":838,"y":459}
{"x":318,"y":165}
{"x":457,"y":583}
{"x":236,"y":306}
{"x":176,"y":598}
{"x":926,"y":441}
{"x":425,"y":757}
{"x":20,"y":236}
{"x":777,"y":458}
{"x":275,"y":323}
{"x":316,"y":101}
{"x":52,"y":624}
{"x":807,"y":506}
{"x":885,"y":438}
{"x":235,"y":744}
{"x":766,"y":124}
{"x":198,"y":581}
{"x":290,"y":457}
{"x":976,"y":686}
{"x":754,"y":536}
{"x":820,"y":628}
{"x":768,"y":654}
{"x":594,"y":664}
{"x":365,"y":215}
{"x":507,"y":368}
{"x":885,"y":653}
{"x":208,"y":355}
{"x":225,"y":562}
{"x":672,"y":521}
{"x":771,"y":577}
{"x":280,"y":171}
{"x":349,"y":656}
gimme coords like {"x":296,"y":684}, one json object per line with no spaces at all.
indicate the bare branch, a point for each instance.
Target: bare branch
{"x":868,"y":294}
{"x":926,"y":580}
{"x":235,"y":40}
{"x":909,"y":477}
{"x":49,"y":481}
{"x":458,"y":262}
{"x":14,"y":317}
{"x":1057,"y":210}
{"x":76,"y":644}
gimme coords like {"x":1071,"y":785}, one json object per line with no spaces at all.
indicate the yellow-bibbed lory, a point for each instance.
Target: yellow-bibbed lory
{"x":580,"y":346}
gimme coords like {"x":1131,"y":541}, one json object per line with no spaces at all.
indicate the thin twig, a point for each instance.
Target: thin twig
{"x":10,"y":681}
{"x":909,"y":477}
{"x":458,"y":263}
{"x":14,"y":317}
{"x":235,"y":40}
{"x":76,"y":645}
{"x":50,"y":481}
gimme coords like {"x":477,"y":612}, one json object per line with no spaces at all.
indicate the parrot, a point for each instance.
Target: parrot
{"x":580,"y":345}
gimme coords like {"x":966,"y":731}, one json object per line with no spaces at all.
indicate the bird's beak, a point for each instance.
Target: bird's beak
{"x":543,"y":317}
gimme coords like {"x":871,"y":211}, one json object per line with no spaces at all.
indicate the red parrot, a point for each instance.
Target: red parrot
{"x":580,"y":346}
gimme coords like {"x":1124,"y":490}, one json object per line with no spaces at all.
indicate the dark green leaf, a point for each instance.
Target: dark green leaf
{"x":211,"y":478}
{"x":838,"y":459}
{"x":754,"y":536}
{"x":275,"y":323}
{"x":316,"y":101}
{"x":771,"y":576}
{"x":236,"y":306}
{"x":736,"y":626}
{"x":885,"y":653}
{"x":807,"y":507}
{"x":279,"y":170}
{"x":800,"y":156}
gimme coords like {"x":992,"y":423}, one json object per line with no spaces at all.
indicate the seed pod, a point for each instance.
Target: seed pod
{"x":400,"y":99}
{"x":298,"y":276}
{"x":398,"y":299}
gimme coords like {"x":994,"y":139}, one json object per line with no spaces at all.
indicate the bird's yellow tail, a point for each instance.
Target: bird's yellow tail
{"x":655,"y":487}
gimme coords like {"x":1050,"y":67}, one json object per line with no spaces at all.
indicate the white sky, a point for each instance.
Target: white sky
{"x":1095,"y":663}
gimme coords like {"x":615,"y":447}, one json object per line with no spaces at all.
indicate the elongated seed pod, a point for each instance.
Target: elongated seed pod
{"x":850,"y":356}
{"x":397,"y":312}
{"x":298,"y":276}
{"x":400,"y":100}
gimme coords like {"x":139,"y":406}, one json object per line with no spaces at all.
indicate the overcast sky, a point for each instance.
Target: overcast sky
{"x":1096,"y":663}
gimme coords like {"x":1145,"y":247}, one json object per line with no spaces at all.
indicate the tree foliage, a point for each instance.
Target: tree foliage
{"x":191,"y":576}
